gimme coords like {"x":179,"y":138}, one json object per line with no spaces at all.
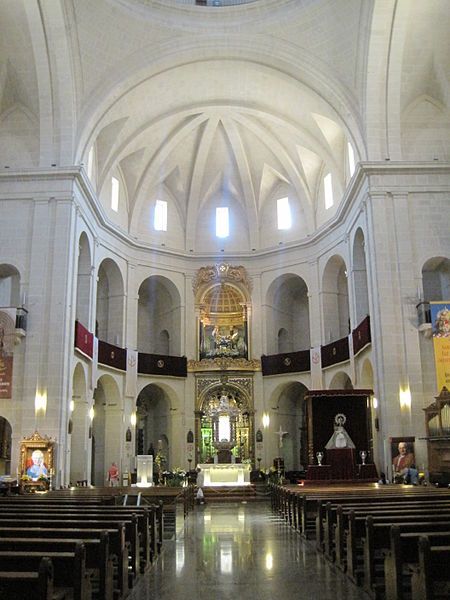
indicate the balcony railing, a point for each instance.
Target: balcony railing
{"x":289,"y":362}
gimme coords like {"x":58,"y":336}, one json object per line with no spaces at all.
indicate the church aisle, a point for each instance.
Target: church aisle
{"x":232,"y":550}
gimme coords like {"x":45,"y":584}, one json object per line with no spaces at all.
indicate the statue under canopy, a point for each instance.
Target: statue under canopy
{"x":340,"y":438}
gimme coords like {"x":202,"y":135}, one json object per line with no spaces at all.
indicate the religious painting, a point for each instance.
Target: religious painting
{"x":402,"y":455}
{"x":36,"y":458}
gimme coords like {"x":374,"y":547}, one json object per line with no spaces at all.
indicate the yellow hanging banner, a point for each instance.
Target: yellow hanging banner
{"x":440,"y":319}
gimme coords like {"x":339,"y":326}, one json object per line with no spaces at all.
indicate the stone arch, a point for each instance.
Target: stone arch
{"x":106,"y":429}
{"x":287,"y":410}
{"x":359,"y":273}
{"x":159,"y":310}
{"x":84,"y":279}
{"x":288,"y":308}
{"x":367,"y":378}
{"x":436,"y":279}
{"x":110,"y":303}
{"x":284,"y":343}
{"x":9,"y":286}
{"x":341,"y":381}
{"x":78,"y":426}
{"x":335,"y":304}
{"x":154,"y":422}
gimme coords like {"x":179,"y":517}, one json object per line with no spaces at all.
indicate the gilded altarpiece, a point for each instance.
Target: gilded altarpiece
{"x":224,"y":404}
{"x":224,"y":418}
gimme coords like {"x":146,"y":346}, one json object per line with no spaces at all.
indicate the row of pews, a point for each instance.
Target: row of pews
{"x":394,"y":541}
{"x":67,"y":546}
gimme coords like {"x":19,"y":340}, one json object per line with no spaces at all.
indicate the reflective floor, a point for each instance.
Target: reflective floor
{"x":241,"y":552}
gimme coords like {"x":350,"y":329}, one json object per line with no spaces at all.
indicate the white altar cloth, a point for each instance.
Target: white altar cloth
{"x":216,"y":475}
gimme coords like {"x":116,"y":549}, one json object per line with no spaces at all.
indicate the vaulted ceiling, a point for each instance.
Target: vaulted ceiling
{"x":202,"y":106}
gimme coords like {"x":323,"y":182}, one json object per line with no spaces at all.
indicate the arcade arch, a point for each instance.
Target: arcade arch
{"x":78,"y":426}
{"x":159,"y":317}
{"x":289,"y":414}
{"x":336,"y":315}
{"x":288,"y":326}
{"x":106,"y":429}
{"x":110,"y":303}
{"x":360,"y":277}
{"x":84,"y":281}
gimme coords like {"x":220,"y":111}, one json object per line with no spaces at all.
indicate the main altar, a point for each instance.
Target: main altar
{"x":217,"y":475}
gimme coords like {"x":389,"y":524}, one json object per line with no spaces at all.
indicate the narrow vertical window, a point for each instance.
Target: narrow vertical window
{"x":283,"y":213}
{"x":222,"y":222}
{"x":160,"y":216}
{"x":351,"y":159}
{"x":115,"y":194}
{"x":328,"y":188}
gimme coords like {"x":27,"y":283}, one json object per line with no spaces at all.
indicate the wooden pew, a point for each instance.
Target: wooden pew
{"x":69,"y":568}
{"x":377,"y":542}
{"x":404,"y":550}
{"x":356,"y":531}
{"x":431,"y":578}
{"x":145,"y":528}
{"x":98,"y":558}
{"x":117,"y":544}
{"x":309,"y":500}
{"x":82,"y":522}
{"x":33,"y":585}
{"x":336,"y":534}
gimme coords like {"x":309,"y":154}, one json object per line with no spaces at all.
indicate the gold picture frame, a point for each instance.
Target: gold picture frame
{"x":43,"y":449}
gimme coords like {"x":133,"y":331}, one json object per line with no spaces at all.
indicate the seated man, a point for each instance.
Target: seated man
{"x":403,"y":467}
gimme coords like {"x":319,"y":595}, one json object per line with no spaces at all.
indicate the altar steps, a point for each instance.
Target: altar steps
{"x":236,"y":493}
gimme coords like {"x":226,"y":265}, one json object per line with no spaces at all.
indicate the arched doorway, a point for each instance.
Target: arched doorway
{"x":288,"y":415}
{"x":153,"y":423}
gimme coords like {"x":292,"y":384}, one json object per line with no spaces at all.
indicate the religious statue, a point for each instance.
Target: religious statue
{"x":281,"y":434}
{"x":340,"y":437}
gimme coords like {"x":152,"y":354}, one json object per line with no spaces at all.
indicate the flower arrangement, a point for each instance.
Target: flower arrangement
{"x":175,"y":478}
{"x":42,"y":477}
{"x":26,"y":477}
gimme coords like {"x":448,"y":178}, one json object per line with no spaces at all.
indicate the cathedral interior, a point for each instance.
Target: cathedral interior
{"x":222,"y":225}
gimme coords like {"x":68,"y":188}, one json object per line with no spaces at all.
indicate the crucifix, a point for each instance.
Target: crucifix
{"x":281,"y":433}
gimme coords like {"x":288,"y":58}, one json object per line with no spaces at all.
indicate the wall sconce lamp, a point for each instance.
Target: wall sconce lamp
{"x":40,"y":403}
{"x":133,"y":419}
{"x":405,"y":398}
{"x":91,"y":413}
{"x":265,"y":420}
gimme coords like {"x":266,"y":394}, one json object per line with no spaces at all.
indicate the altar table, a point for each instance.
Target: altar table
{"x":231,"y":474}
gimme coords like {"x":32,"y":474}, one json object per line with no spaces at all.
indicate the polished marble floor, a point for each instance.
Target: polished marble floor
{"x":235,"y":551}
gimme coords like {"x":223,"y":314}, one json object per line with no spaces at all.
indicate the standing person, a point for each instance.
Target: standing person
{"x":113,"y":475}
{"x":404,"y":467}
{"x":200,"y":482}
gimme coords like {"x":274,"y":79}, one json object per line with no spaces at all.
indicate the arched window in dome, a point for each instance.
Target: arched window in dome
{"x":160,"y":216}
{"x":328,"y":190}
{"x":115,"y":194}
{"x":351,"y":159}
{"x":284,"y":213}
{"x":222,"y":222}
